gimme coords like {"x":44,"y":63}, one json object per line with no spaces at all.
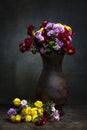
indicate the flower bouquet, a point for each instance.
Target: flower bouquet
{"x":50,"y":38}
{"x":36,"y":112}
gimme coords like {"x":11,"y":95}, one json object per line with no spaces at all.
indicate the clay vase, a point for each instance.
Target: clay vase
{"x":52,"y":85}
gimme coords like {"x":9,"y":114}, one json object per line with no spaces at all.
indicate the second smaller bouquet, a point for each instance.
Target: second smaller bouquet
{"x":36,"y":112}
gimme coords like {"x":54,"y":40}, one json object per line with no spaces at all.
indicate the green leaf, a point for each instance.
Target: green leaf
{"x":48,"y":50}
{"x":55,"y":46}
{"x":52,"y":42}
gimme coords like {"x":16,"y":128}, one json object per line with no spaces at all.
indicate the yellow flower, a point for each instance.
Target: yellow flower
{"x":38,"y":104}
{"x":17,"y":118}
{"x":13,"y":118}
{"x":28,"y":111}
{"x":68,"y":28}
{"x":41,"y":29}
{"x":23,"y":111}
{"x":33,"y":33}
{"x":28,"y":118}
{"x":40,"y":111}
{"x":16,"y":101}
{"x":60,"y":24}
{"x":70,"y":51}
{"x":34,"y":118}
{"x":45,"y":21}
{"x":34,"y":111}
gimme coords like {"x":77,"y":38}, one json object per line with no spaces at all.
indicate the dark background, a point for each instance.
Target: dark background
{"x":19,"y":72}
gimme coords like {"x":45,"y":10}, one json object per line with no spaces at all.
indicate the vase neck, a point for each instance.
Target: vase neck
{"x":53,"y":62}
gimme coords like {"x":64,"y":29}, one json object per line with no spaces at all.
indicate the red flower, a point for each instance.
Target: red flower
{"x":68,"y":42}
{"x":67,"y":32}
{"x":28,"y":42}
{"x":44,"y":23}
{"x":64,"y":36}
{"x":70,"y":50}
{"x":46,"y":38}
{"x":61,"y":113}
{"x":42,"y":121}
{"x":30,"y":29}
{"x":22,"y":47}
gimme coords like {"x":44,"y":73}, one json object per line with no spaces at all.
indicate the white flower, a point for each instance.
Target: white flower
{"x":24,"y":103}
{"x":55,"y":115}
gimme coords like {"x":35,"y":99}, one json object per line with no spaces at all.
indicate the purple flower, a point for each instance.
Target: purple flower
{"x":49,"y":26}
{"x":42,"y":50}
{"x":11,"y":111}
{"x":50,"y":33}
{"x":38,"y":33}
{"x":39,"y":36}
{"x":60,"y":43}
{"x":58,"y":29}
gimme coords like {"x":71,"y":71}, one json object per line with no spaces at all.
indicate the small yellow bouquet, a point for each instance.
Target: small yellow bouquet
{"x":36,"y":112}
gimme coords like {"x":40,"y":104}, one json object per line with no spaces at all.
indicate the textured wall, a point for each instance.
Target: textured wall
{"x":19,"y":73}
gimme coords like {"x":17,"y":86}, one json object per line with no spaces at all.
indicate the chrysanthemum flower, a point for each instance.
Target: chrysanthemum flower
{"x":30,"y":30}
{"x":39,"y":40}
{"x":22,"y":47}
{"x":16,"y":101}
{"x":28,"y":110}
{"x":40,"y":111}
{"x":24,"y":103}
{"x":28,"y":118}
{"x":38,"y":104}
{"x":33,"y":111}
{"x":13,"y":118}
{"x":11,"y":111}
{"x":17,"y":118}
{"x":35,"y":118}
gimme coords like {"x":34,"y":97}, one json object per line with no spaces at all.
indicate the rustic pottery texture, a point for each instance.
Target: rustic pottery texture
{"x":52,"y":85}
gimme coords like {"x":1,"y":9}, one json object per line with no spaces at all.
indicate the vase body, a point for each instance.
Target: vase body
{"x":52,"y":85}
